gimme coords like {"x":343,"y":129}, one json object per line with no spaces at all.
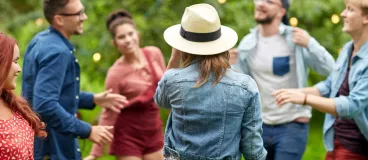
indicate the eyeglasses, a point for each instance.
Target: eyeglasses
{"x":268,"y":2}
{"x":80,"y":14}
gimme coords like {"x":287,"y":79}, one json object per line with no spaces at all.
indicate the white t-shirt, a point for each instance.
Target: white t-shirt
{"x":272,"y":65}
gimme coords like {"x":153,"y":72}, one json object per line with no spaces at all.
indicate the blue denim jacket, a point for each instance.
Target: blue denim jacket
{"x":314,"y":56}
{"x":211,"y":123}
{"x":353,"y":106}
{"x":51,"y":85}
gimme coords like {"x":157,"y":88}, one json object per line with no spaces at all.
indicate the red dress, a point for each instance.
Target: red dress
{"x":138,"y":128}
{"x":16,"y":139}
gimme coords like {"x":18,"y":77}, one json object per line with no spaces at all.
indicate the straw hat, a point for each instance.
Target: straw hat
{"x":201,"y":32}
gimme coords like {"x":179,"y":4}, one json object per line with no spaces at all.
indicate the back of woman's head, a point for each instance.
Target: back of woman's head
{"x":117,"y":18}
{"x":216,"y":64}
{"x":15,"y":103}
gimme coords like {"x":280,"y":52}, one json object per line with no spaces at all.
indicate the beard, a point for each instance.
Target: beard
{"x":77,"y":32}
{"x":79,"y":29}
{"x":266,"y":20}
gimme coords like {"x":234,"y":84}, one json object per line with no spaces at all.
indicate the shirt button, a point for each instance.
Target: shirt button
{"x":71,"y":52}
{"x":77,"y":78}
{"x":78,"y":150}
{"x":74,"y":50}
{"x":76,"y":97}
{"x":76,"y":60}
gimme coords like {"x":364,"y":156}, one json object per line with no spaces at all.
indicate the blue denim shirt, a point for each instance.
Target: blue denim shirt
{"x":353,"y":106}
{"x":314,"y":56}
{"x":211,"y":123}
{"x":51,"y":85}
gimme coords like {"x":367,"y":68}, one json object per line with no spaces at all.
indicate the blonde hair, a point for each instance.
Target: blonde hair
{"x":362,"y":3}
{"x":216,"y":64}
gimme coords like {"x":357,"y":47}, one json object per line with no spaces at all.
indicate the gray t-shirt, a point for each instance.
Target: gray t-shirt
{"x":272,"y":65}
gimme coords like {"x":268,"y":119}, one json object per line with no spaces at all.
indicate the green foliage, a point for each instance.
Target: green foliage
{"x":24,"y":18}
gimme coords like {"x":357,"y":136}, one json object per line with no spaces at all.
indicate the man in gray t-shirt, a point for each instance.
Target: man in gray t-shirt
{"x":279,"y":56}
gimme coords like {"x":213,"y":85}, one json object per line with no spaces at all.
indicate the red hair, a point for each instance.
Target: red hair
{"x":16,"y":103}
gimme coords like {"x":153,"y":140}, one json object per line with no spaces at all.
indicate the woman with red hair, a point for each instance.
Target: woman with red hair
{"x":18,"y":123}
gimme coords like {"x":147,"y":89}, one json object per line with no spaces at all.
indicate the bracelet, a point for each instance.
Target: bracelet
{"x":305,"y":99}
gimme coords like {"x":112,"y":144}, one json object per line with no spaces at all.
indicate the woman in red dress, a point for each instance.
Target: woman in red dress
{"x":138,"y":129}
{"x":18,"y":123}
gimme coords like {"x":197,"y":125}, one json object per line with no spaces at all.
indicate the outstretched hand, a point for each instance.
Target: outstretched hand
{"x":101,"y":135}
{"x":109,"y":100}
{"x":289,"y":96}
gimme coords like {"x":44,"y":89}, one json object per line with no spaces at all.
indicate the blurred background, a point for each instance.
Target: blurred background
{"x":22,"y":19}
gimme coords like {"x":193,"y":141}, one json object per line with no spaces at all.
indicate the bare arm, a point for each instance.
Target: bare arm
{"x":310,"y":90}
{"x":175,"y":59}
{"x":307,"y":96}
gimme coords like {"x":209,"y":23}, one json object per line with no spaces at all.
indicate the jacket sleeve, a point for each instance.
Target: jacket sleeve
{"x":356,"y":102}
{"x":47,"y":89}
{"x":251,"y":143}
{"x":86,"y":101}
{"x":324,"y":87}
{"x":318,"y":58}
{"x":242,"y":64}
{"x":160,"y":97}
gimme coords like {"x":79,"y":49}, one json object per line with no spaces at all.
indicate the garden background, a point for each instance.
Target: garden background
{"x":22,"y":19}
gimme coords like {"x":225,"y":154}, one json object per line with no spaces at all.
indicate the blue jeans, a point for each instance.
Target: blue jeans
{"x":285,"y":141}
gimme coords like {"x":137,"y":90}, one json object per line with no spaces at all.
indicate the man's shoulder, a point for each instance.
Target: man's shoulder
{"x":46,"y":42}
{"x":249,"y":40}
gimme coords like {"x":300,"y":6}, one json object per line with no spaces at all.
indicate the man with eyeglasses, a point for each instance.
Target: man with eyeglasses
{"x":51,"y":85}
{"x":279,"y":56}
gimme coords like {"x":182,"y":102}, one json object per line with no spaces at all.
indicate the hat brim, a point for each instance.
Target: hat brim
{"x":227,"y":40}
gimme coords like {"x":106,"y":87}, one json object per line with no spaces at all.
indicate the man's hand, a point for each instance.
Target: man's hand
{"x":109,"y":100}
{"x":301,"y":37}
{"x":101,"y":135}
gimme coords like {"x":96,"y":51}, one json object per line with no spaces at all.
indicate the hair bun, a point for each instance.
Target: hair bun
{"x":121,"y":13}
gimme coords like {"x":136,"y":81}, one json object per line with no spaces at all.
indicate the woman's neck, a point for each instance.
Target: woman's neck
{"x":359,"y":39}
{"x":133,"y":58}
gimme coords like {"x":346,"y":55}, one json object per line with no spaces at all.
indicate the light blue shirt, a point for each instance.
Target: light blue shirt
{"x":218,"y":122}
{"x":353,"y":106}
{"x":314,"y":56}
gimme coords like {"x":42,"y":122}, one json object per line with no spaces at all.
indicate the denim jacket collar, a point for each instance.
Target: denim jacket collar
{"x":362,"y":53}
{"x":66,"y":41}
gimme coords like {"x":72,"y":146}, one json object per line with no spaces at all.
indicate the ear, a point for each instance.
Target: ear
{"x":365,"y":18}
{"x":282,"y":12}
{"x":58,"y":20}
{"x":114,"y":42}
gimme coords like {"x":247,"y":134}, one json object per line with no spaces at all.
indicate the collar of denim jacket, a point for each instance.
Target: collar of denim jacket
{"x":66,"y":41}
{"x":363,"y":51}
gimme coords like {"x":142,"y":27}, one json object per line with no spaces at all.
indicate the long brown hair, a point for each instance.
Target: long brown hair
{"x":216,"y":64}
{"x":15,"y":103}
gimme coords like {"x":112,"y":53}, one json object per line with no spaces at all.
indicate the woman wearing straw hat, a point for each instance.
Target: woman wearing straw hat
{"x":215,"y":112}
